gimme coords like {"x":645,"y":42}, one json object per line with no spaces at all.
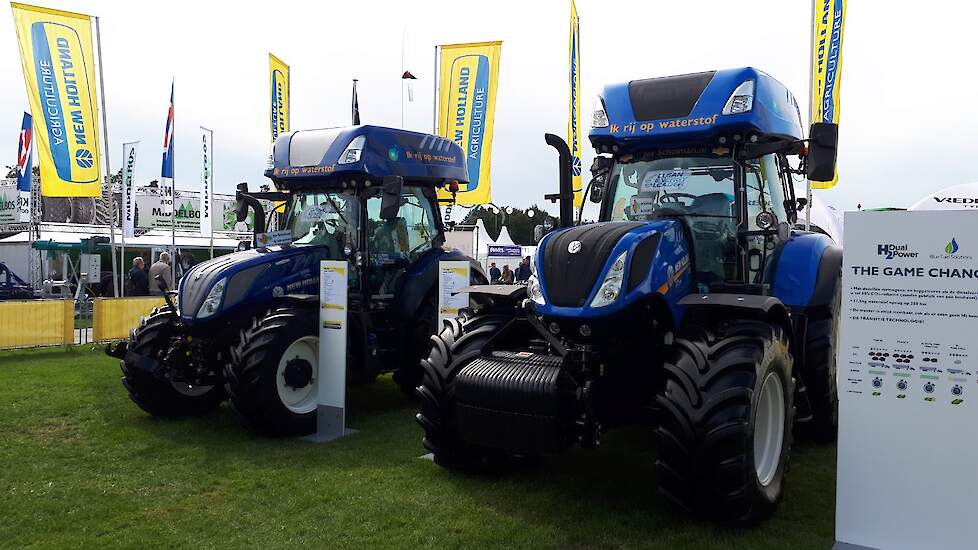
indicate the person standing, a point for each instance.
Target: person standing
{"x":506,"y":277}
{"x":162,"y":268}
{"x":523,"y":272}
{"x":494,"y":274}
{"x":139,"y":283}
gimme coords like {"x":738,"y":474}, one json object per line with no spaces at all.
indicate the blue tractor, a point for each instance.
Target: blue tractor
{"x":692,"y":305}
{"x":244,"y":326}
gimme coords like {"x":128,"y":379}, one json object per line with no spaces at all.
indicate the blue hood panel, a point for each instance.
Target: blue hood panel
{"x":667,"y":274}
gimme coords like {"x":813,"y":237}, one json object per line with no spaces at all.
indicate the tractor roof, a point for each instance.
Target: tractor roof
{"x":688,"y":110}
{"x":314,"y":158}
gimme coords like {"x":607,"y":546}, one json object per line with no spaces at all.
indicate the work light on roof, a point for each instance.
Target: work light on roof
{"x":742,"y":99}
{"x":353,"y":151}
{"x":599,"y":119}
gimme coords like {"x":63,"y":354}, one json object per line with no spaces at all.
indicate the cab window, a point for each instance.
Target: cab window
{"x":407,"y":236}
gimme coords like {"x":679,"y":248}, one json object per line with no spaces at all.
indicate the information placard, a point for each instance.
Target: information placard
{"x":452,"y":276}
{"x":331,"y":413}
{"x":908,"y":381}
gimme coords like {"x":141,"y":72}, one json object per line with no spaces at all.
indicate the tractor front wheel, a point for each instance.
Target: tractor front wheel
{"x":726,"y":413}
{"x":273,"y":376}
{"x":154,"y":338}
{"x":460,"y":341}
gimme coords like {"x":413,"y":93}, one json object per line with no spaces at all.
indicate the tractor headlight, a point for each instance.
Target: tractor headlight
{"x":611,"y":286}
{"x":599,"y":116}
{"x":534,"y":291}
{"x":353,"y":151}
{"x":212,"y":303}
{"x":741,"y":100}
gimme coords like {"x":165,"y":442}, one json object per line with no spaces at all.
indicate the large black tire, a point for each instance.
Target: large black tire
{"x":820,"y":371}
{"x":423,"y":325}
{"x":708,"y":416}
{"x":459,"y":342}
{"x":154,"y":338}
{"x":252,"y":374}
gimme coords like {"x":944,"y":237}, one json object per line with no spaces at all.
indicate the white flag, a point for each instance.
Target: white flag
{"x":206,"y":181}
{"x":128,"y":200}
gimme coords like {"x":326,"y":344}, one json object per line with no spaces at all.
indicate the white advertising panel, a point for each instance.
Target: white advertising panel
{"x":128,"y":189}
{"x":452,"y":276}
{"x":331,"y":413}
{"x":206,"y":182}
{"x":908,"y":381}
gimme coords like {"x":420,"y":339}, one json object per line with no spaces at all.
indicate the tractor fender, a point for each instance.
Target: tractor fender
{"x":807,"y":269}
{"x":422,"y":278}
{"x":736,"y":306}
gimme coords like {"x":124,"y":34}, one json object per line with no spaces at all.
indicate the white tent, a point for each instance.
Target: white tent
{"x":956,"y":197}
{"x":504,"y":238}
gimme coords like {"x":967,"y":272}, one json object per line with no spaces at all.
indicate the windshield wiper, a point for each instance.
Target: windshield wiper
{"x":336,"y":209}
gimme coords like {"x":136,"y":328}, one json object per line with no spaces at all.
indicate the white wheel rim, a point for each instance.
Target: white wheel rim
{"x":769,"y":429}
{"x":190,"y":390}
{"x":300,"y":400}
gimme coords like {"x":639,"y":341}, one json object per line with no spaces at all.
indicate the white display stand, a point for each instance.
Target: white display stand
{"x":908,"y":382}
{"x":331,"y":411}
{"x":452,"y":276}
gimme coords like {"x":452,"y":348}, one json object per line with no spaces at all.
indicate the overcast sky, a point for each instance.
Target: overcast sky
{"x":909,"y":95}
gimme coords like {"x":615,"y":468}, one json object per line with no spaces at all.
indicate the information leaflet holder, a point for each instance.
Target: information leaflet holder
{"x":331,"y":411}
{"x":452,"y":276}
{"x":908,"y":382}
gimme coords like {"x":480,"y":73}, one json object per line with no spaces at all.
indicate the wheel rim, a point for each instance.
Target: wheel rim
{"x":299,"y":400}
{"x":769,"y":429}
{"x":190,"y":390}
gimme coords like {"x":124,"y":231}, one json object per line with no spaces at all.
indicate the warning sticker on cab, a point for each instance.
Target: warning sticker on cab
{"x":659,"y":180}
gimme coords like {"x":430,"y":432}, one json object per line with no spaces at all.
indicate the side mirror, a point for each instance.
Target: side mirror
{"x":823,"y":148}
{"x":240,"y":206}
{"x":600,"y":169}
{"x":390,"y":202}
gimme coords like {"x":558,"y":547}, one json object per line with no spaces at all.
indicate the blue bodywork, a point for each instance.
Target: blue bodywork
{"x":312,"y":161}
{"x":774,"y":115}
{"x":671,"y":276}
{"x":794,"y":267}
{"x":315,"y":155}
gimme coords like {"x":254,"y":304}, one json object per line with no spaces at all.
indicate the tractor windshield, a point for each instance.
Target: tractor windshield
{"x":699,"y":190}
{"x":324,"y":219}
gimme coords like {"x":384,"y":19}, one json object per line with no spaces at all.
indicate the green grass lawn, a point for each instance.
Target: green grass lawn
{"x":81,"y":466}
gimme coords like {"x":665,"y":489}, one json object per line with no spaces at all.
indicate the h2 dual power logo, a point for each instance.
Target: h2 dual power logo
{"x":891,"y":251}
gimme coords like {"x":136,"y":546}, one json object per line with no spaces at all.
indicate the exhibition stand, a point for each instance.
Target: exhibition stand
{"x":907,"y":373}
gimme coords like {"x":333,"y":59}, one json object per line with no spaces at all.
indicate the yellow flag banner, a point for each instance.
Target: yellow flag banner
{"x":468,"y":75}
{"x":574,"y":116}
{"x":59,"y":70}
{"x":827,"y":31}
{"x":279,"y":77}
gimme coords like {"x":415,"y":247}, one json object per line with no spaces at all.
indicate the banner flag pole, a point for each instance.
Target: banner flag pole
{"x":116,"y":283}
{"x":811,"y":82}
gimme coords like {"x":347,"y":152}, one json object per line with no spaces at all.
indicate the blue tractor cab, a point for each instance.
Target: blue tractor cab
{"x":244,"y":327}
{"x":691,"y":305}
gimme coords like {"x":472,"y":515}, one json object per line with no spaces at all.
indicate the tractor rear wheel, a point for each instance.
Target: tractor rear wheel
{"x":726,"y":413}
{"x":273,"y":376}
{"x":154,"y":338}
{"x":459,"y":342}
{"x":821,"y":347}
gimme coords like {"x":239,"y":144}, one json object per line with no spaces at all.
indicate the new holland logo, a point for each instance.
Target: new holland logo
{"x":574,"y":247}
{"x":84,"y":158}
{"x":576,"y":166}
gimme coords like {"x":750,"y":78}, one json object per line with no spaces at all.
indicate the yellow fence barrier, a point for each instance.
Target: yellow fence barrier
{"x":27,"y":323}
{"x":113,"y":318}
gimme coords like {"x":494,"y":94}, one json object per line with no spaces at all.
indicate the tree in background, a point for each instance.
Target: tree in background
{"x":520,"y":222}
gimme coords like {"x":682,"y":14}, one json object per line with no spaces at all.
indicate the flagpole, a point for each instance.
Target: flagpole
{"x":434,"y":101}
{"x":811,"y":82}
{"x":116,"y":283}
{"x":122,"y":219}
{"x":403,"y":36}
{"x":210,"y":195}
{"x":173,"y":190}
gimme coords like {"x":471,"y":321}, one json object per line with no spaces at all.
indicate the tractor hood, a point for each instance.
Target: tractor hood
{"x":229,"y":281}
{"x":575,"y":265}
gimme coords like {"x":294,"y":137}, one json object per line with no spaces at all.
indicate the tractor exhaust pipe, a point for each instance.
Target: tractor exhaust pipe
{"x":566,"y":194}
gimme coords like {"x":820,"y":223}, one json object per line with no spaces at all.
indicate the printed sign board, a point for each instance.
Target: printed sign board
{"x":331,"y":411}
{"x":908,"y":381}
{"x":505,"y":251}
{"x":452,"y":276}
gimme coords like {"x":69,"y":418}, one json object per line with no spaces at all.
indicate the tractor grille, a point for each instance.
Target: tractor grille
{"x":569,"y":278}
